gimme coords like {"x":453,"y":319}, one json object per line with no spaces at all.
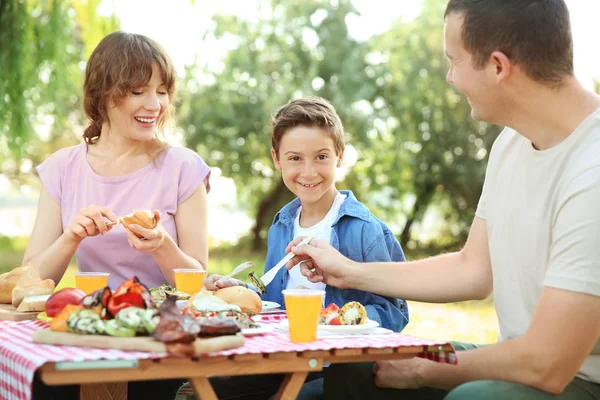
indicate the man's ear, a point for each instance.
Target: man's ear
{"x":502,"y":66}
{"x":340,"y":158}
{"x":275,"y":159}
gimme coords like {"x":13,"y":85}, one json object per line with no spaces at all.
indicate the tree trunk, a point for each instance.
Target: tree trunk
{"x":266,"y":204}
{"x":419,"y":208}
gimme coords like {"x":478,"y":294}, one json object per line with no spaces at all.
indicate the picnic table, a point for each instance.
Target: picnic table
{"x":110,"y":370}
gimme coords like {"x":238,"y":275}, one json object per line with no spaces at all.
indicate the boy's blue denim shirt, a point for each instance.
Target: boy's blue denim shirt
{"x":358,"y":235}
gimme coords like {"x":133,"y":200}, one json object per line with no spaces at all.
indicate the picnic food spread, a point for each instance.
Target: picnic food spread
{"x":351,"y":313}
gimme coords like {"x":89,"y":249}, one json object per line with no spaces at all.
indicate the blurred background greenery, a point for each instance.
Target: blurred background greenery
{"x":414,"y":156}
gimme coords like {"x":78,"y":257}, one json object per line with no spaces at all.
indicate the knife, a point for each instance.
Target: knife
{"x":261,"y":283}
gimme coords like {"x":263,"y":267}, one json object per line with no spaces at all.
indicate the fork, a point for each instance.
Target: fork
{"x":242,"y":267}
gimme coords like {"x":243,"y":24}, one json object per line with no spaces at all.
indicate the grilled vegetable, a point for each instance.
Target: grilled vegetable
{"x":132,"y":318}
{"x":150,"y":320}
{"x":353,"y":313}
{"x":59,"y":322}
{"x":131,"y":293}
{"x":85,"y":322}
{"x":97,"y":301}
{"x":58,"y":300}
{"x":113,"y":328}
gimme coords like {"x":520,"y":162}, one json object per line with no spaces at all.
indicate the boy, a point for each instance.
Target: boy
{"x":307,"y":147}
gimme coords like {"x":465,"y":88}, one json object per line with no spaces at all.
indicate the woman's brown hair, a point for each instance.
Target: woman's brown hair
{"x":122,"y":62}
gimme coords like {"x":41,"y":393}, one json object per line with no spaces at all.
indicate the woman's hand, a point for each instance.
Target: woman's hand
{"x":212,"y":282}
{"x":151,"y":239}
{"x":90,"y":222}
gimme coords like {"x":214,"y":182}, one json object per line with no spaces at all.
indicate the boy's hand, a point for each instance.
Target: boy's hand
{"x":213,"y":282}
{"x":322,"y":263}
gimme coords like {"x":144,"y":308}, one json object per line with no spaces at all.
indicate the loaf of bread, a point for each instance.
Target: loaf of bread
{"x":33,"y":303}
{"x":8,"y":281}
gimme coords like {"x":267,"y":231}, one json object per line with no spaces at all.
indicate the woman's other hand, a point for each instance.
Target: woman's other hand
{"x":151,"y":239}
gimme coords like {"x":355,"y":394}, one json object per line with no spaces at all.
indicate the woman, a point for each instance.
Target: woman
{"x":123,"y":165}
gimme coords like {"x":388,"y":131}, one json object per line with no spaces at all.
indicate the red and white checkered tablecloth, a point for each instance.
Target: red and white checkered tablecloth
{"x":20,"y":357}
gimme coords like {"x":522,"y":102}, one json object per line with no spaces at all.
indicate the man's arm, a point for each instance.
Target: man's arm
{"x":464,"y":275}
{"x":565,"y":327}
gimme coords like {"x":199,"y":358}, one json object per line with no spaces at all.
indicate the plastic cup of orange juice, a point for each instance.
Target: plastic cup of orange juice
{"x":91,"y":281}
{"x":189,"y":280}
{"x":303,"y":307}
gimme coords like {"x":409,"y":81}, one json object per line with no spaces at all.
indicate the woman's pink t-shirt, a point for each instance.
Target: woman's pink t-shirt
{"x":162,"y":184}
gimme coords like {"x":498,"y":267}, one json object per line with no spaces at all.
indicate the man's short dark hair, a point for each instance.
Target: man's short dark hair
{"x":534,"y":34}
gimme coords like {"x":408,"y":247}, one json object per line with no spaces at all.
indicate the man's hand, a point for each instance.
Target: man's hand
{"x":151,"y":239}
{"x":321,"y":262}
{"x":398,"y":374}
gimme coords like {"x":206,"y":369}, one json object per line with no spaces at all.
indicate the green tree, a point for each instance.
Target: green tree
{"x":424,"y":150}
{"x":43,"y":48}
{"x":300,"y":48}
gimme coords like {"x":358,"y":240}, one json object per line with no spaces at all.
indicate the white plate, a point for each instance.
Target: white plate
{"x":260,"y":330}
{"x":369,"y":324}
{"x":269,"y":305}
{"x":179,"y":303}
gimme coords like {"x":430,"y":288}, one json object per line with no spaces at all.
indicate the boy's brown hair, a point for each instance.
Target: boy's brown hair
{"x":311,"y":112}
{"x":122,"y":62}
{"x":535,"y":34}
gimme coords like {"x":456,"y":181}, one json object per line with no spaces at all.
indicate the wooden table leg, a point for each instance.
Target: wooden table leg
{"x":106,"y":391}
{"x":203,"y":388}
{"x":291,"y":386}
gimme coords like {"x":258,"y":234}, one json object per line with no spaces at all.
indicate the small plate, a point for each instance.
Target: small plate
{"x":260,"y":330}
{"x":178,"y":303}
{"x":368,"y":325}
{"x":269,"y":306}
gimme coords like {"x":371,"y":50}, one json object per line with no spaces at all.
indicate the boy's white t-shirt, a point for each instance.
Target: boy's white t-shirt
{"x":321,"y":230}
{"x":542,"y":212}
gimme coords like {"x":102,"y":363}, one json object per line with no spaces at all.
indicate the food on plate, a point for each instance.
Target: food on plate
{"x":86,"y":322}
{"x":246,"y":299}
{"x":8,"y":281}
{"x":24,"y":282}
{"x":207,"y":305}
{"x":174,"y":326}
{"x":138,"y":319}
{"x":217,"y":326}
{"x":112,"y":327}
{"x":33,"y":303}
{"x":131,"y":293}
{"x":161,"y":293}
{"x":97,"y":301}
{"x":58,"y":300}
{"x":59,"y":322}
{"x":330,"y":315}
{"x":143,"y":218}
{"x":353,"y":313}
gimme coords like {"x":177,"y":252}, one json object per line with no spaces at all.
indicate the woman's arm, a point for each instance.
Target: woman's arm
{"x":192,"y":232}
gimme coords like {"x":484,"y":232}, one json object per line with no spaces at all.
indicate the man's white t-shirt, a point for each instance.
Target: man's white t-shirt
{"x":542,"y":211}
{"x":321,"y":230}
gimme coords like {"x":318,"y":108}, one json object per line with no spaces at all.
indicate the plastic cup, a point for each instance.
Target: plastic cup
{"x":89,"y":282}
{"x":189,"y":280}
{"x":303,"y":307}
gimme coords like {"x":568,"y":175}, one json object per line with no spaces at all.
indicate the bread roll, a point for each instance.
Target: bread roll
{"x":246,"y":299}
{"x":40,"y":288}
{"x":143,"y":218}
{"x":8,"y":281}
{"x":33,"y":303}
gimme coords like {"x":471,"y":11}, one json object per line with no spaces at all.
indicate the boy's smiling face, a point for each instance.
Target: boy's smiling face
{"x":307,"y":160}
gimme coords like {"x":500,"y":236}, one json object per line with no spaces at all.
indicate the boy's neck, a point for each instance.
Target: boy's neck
{"x":313,"y":213}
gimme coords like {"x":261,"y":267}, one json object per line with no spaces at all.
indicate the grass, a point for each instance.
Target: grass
{"x":472,"y":321}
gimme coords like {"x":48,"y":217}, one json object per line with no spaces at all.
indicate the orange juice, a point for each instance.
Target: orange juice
{"x":189,"y":280}
{"x":303,"y":307}
{"x":91,"y":281}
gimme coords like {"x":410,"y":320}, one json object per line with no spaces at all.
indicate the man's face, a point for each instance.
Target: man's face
{"x":473,"y":83}
{"x":307,"y":160}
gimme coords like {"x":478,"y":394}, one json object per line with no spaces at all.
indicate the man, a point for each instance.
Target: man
{"x":534,"y":239}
